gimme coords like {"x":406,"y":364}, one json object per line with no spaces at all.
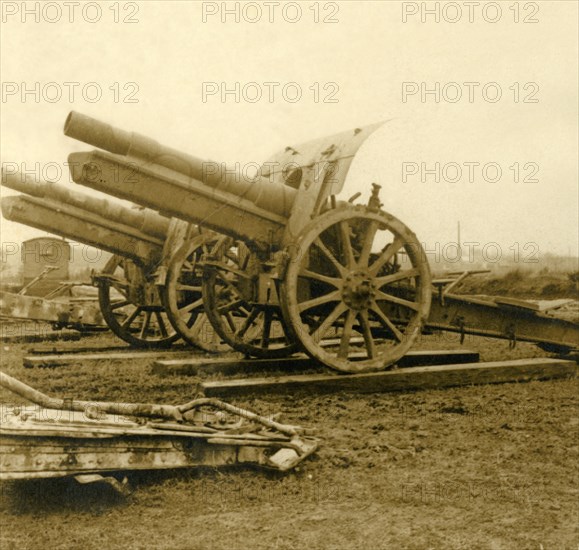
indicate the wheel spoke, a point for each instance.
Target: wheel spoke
{"x":330,"y":297}
{"x":228,"y":271}
{"x":121,"y":289}
{"x":191,"y":323}
{"x":386,"y":255}
{"x":230,"y":306}
{"x":367,"y":246}
{"x":339,"y":267}
{"x":129,"y":320}
{"x":161,"y":324}
{"x":120,"y":304}
{"x":367,"y":333}
{"x":180,"y":286}
{"x":375,"y":308}
{"x":396,"y":300}
{"x":217,"y":245}
{"x":196,"y":325}
{"x":283,"y":324}
{"x":248,"y":322}
{"x":347,"y":249}
{"x":188,"y":267}
{"x":242,"y":264}
{"x":318,"y":334}
{"x":306,"y":273}
{"x":118,"y":282}
{"x":191,"y":307}
{"x":266,"y":328}
{"x":230,"y":321}
{"x":146,"y":324}
{"x":395,"y":277}
{"x":228,"y":284}
{"x":346,"y":335}
{"x":243,"y":310}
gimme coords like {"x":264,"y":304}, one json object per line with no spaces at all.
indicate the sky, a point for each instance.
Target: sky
{"x":505,"y":167}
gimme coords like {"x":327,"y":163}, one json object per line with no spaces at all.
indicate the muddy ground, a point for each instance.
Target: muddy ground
{"x":489,"y":467}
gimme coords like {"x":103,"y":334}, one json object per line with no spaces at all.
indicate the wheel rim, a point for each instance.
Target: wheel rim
{"x":184,"y":295}
{"x":346,"y":282}
{"x":253,"y":329}
{"x":138,"y":324}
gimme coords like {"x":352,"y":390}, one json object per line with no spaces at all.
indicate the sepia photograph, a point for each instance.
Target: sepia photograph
{"x":289,"y":274}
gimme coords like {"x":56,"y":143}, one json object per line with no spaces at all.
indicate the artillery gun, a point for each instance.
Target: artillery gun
{"x":292,"y":263}
{"x":131,"y":292}
{"x":293,"y":266}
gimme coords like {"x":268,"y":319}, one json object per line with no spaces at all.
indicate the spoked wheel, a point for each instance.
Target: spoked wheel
{"x":360,"y":278}
{"x":231,"y":290}
{"x":184,"y":298}
{"x":131,"y":306}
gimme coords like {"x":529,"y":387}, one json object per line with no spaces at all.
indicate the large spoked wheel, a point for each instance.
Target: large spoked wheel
{"x":184,"y":297}
{"x":131,"y":306}
{"x":231,"y":291}
{"x":357,"y":281}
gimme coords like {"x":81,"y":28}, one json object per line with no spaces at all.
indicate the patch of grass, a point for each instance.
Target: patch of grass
{"x":523,"y":284}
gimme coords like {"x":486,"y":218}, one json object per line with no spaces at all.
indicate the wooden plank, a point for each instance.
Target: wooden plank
{"x":514,"y":302}
{"x":414,"y":378}
{"x":70,"y":358}
{"x":298,"y":363}
{"x":538,"y":305}
{"x":41,"y":336}
{"x":53,"y":350}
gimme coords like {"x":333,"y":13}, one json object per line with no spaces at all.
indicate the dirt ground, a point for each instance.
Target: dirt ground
{"x":489,"y":467}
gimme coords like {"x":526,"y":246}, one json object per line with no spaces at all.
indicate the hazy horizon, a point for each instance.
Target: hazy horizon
{"x":167,"y":62}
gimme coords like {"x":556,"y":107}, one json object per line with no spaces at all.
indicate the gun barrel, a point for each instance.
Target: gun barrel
{"x":263,"y":192}
{"x":176,"y":195}
{"x":82,"y":226}
{"x":144,"y":220}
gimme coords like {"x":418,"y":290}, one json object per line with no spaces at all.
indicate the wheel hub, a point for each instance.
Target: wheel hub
{"x":358,"y":290}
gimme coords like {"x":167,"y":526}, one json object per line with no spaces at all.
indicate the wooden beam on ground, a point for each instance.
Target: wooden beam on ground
{"x":53,"y":350}
{"x":298,"y":363}
{"x":414,"y":378}
{"x":40,"y":336}
{"x":71,"y":358}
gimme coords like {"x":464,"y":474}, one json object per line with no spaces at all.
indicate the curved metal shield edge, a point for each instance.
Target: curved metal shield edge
{"x":338,"y":149}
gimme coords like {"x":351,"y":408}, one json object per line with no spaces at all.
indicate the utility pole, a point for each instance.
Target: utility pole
{"x":458,"y":240}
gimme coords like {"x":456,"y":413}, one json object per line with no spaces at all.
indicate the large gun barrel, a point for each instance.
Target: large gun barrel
{"x":174,"y":194}
{"x":83,"y":226}
{"x":143,"y":220}
{"x":264,"y":193}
